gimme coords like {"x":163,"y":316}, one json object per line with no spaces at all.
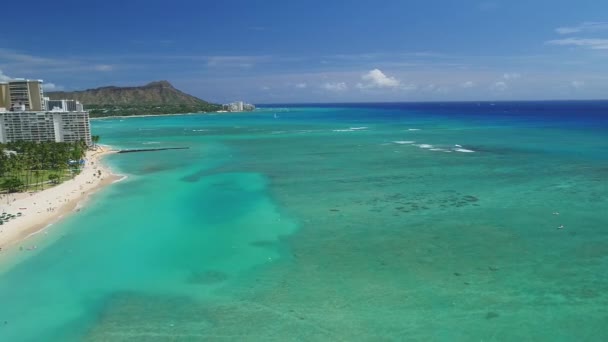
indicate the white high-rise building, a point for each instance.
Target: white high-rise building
{"x":238,"y":106}
{"x":45,"y":126}
{"x":26,"y":115}
{"x":63,"y":105}
{"x":24,"y":93}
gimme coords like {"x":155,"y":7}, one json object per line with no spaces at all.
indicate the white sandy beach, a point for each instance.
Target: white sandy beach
{"x":39,"y":209}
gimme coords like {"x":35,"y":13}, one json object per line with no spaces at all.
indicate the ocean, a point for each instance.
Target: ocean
{"x":342,"y":222}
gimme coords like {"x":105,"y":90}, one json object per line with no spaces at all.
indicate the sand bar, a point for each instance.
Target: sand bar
{"x":39,"y":209}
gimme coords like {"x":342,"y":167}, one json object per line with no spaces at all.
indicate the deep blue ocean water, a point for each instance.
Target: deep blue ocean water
{"x":354,"y":222}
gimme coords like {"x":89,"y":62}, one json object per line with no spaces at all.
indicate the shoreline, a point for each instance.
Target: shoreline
{"x":44,"y":208}
{"x":154,"y":115}
{"x":146,"y":115}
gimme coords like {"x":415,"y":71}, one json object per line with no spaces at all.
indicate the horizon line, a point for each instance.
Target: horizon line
{"x":432,"y":101}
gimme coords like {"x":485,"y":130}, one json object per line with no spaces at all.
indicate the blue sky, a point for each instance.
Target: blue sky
{"x":275,"y":51}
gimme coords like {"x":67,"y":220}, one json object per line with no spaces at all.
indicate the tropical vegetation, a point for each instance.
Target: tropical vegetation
{"x":30,"y":166}
{"x":96,"y":111}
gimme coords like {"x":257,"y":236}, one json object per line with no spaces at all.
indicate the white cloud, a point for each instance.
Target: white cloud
{"x":4,"y":78}
{"x":104,"y":67}
{"x":433,"y":88}
{"x":301,"y":85}
{"x":468,"y":84}
{"x":577,"y":84}
{"x":337,"y":86}
{"x":442,"y":89}
{"x":243,"y":62}
{"x":20,"y":63}
{"x":511,"y":76}
{"x":503,"y":84}
{"x":409,"y":87}
{"x":377,"y":79}
{"x":567,"y":30}
{"x":500,"y":86}
{"x":9,"y":55}
{"x":592,"y":43}
{"x":588,"y":26}
{"x":51,"y":87}
{"x":430,"y":87}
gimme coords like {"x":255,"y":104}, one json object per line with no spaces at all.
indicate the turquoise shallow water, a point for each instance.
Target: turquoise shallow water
{"x":328,"y":224}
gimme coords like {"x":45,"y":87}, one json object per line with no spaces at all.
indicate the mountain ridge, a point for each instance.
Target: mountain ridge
{"x":157,"y":97}
{"x":156,"y":92}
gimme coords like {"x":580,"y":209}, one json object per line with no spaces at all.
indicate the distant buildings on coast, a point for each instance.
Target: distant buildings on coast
{"x":63,"y":105}
{"x":26,"y":115}
{"x":238,"y":106}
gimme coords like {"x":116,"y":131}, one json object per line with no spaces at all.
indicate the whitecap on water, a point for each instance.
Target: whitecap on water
{"x":403,"y":142}
{"x":350,"y":129}
{"x":463,"y":150}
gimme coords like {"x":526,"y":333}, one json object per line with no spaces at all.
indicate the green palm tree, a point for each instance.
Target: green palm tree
{"x":95,"y":139}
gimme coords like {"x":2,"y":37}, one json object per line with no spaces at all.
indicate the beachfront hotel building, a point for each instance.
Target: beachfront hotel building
{"x":5,"y":95}
{"x":24,"y":115}
{"x":45,"y":126}
{"x":22,"y":94}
